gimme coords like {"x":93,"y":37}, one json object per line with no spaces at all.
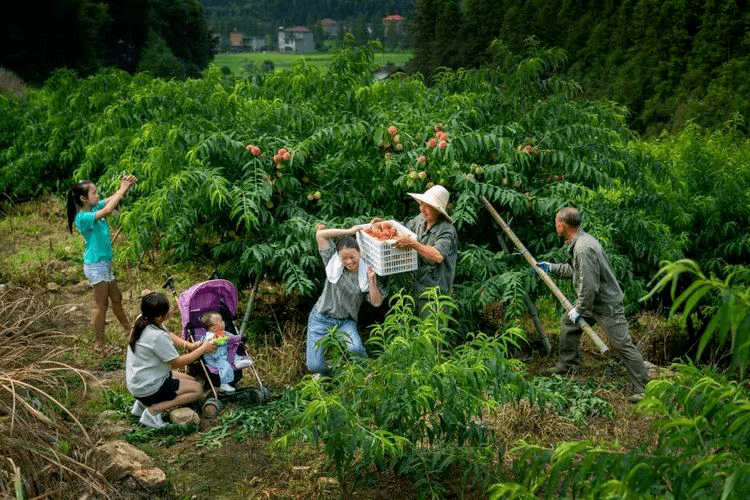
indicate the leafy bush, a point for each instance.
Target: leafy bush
{"x":572,"y":400}
{"x":726,"y":303}
{"x":703,"y":424}
{"x":701,"y":188}
{"x":249,"y":420}
{"x":516,"y":133}
{"x":415,"y":406}
{"x":700,"y":452}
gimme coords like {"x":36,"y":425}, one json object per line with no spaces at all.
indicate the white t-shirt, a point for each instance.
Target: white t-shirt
{"x":147,"y":368}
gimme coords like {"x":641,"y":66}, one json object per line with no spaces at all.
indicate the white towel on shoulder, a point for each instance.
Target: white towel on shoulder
{"x":335,"y":268}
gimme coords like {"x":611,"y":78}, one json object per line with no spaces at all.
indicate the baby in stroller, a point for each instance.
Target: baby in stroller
{"x":214,"y":324}
{"x":207,"y":308}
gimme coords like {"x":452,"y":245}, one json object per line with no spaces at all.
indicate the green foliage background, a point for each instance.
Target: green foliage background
{"x":519,"y":134}
{"x":203,"y":196}
{"x":668,"y":61}
{"x":168,"y":38}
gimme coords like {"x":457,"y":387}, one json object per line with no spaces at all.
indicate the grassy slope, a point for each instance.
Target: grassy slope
{"x":36,"y":249}
{"x":236,"y":62}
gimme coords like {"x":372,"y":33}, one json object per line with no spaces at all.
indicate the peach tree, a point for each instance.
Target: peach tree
{"x":216,"y":186}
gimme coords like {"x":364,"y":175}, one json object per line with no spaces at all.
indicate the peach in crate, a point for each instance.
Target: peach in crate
{"x":382,"y":255}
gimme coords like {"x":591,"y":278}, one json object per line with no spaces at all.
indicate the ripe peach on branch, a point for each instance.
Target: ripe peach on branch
{"x":528,"y":148}
{"x":282,"y":155}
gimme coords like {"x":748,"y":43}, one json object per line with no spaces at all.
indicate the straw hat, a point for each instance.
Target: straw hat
{"x":436,"y":197}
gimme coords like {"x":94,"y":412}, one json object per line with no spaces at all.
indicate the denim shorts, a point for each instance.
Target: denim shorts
{"x":99,"y":272}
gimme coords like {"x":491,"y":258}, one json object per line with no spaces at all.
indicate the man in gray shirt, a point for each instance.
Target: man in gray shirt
{"x":599,"y":299}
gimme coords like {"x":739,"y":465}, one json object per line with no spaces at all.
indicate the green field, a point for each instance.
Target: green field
{"x":237,"y":62}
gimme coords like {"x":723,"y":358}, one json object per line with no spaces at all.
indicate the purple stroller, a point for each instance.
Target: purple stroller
{"x":215,"y":295}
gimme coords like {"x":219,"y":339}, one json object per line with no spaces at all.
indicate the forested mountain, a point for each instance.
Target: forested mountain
{"x":669,"y":61}
{"x":165,"y":37}
{"x":299,"y":12}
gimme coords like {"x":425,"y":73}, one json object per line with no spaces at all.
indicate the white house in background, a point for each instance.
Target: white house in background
{"x":297,"y":39}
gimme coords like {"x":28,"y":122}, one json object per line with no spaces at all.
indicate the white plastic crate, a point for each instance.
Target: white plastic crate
{"x":383,"y":256}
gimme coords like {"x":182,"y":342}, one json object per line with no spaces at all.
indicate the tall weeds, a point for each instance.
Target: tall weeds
{"x":42,"y":442}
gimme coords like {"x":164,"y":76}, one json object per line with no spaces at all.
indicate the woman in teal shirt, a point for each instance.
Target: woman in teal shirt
{"x":88,"y":212}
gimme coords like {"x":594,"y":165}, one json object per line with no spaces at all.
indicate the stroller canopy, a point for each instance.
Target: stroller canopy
{"x":204,"y":297}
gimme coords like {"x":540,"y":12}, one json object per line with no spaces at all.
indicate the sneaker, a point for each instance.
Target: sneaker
{"x":635,"y":398}
{"x":239,"y":364}
{"x":138,"y":408}
{"x":152,"y":421}
{"x":226,"y":388}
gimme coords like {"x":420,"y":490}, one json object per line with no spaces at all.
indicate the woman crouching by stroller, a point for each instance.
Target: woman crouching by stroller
{"x":346,"y":286}
{"x":152,"y":361}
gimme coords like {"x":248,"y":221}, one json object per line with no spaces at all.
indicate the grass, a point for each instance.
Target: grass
{"x":47,"y":342}
{"x":237,"y":62}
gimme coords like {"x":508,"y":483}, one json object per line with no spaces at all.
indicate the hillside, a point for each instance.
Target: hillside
{"x":669,"y":62}
{"x":45,"y":296}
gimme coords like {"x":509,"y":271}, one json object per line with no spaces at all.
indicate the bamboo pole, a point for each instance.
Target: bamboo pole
{"x":545,"y":277}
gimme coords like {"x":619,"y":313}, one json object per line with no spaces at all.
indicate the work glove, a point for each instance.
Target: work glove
{"x":574,"y":316}
{"x":544,"y":266}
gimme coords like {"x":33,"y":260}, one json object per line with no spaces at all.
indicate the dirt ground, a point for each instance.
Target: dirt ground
{"x":38,"y":255}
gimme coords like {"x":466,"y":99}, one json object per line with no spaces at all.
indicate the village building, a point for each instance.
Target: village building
{"x":297,"y":39}
{"x":393,"y":25}
{"x":329,"y":27}
{"x":238,"y":42}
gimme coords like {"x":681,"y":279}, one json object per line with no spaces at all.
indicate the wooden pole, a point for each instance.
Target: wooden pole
{"x":545,"y":277}
{"x":250,"y":304}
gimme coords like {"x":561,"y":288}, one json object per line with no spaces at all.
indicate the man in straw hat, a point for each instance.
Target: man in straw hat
{"x":436,"y":243}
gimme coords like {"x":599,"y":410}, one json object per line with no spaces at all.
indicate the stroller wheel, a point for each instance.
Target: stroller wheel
{"x":261,"y":395}
{"x":211,"y":408}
